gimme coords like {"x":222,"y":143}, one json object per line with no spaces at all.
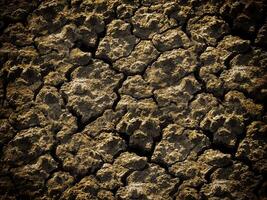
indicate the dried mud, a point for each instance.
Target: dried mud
{"x":127,"y":100}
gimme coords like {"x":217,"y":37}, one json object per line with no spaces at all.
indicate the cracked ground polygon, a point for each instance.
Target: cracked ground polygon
{"x":133,"y":100}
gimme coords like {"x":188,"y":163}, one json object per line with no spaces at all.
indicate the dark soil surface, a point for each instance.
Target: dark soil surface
{"x":133,"y":100}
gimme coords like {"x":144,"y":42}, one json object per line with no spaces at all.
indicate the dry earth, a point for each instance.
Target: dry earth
{"x":133,"y":99}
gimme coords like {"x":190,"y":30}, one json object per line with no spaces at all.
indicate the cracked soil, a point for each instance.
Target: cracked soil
{"x":133,"y":100}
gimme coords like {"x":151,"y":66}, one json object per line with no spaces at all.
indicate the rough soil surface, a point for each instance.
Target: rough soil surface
{"x":133,"y":100}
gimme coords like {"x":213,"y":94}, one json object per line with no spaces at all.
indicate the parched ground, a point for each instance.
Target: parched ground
{"x":133,"y":100}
